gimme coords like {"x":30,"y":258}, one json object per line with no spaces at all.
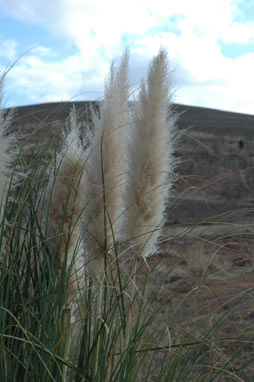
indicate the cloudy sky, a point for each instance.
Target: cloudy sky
{"x":64,"y":48}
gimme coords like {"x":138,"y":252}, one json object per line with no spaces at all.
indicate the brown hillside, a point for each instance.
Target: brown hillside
{"x":217,"y":151}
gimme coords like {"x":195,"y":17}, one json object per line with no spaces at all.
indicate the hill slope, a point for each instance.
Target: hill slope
{"x":216,"y":147}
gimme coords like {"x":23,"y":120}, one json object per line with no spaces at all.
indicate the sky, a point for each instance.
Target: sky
{"x":61,"y":50}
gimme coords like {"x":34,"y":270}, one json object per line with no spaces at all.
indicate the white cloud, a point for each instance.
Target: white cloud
{"x":48,"y":13}
{"x":41,"y":80}
{"x":8,"y":49}
{"x":239,"y":33}
{"x":191,"y":30}
{"x":233,"y":91}
{"x":103,"y":23}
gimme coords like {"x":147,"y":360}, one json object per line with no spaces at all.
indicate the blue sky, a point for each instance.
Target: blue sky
{"x":65,"y":48}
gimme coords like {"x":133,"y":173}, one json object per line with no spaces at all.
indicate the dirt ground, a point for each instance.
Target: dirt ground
{"x":208,"y":273}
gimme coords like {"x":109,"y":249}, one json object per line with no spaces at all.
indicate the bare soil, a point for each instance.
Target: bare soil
{"x":208,"y":273}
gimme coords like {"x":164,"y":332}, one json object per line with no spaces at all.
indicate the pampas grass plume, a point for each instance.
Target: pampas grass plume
{"x":7,"y":151}
{"x":105,"y":168}
{"x":64,"y":203}
{"x":150,"y":159}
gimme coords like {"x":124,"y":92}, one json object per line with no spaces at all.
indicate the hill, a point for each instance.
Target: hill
{"x":216,"y":177}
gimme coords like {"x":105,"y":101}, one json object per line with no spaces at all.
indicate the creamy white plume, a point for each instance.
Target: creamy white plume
{"x":63,"y":205}
{"x":150,"y":159}
{"x":105,"y":168}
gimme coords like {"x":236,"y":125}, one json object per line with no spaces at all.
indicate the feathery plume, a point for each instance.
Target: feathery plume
{"x":105,"y":167}
{"x":7,"y":151}
{"x":150,"y":159}
{"x":64,"y":203}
